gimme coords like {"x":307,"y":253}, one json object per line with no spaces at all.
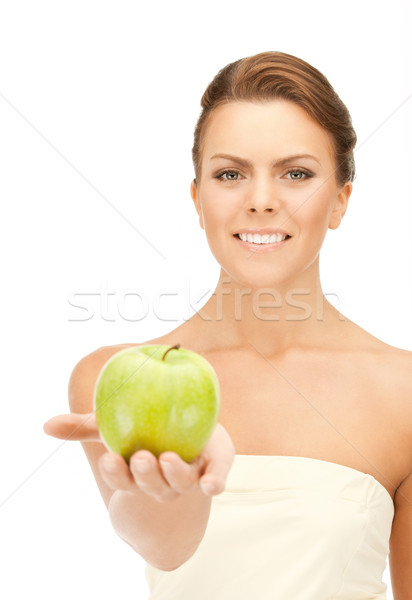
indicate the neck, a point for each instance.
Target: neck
{"x":286,"y":316}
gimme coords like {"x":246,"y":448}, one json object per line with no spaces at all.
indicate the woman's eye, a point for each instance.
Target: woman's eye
{"x":299,"y":172}
{"x":231,"y":175}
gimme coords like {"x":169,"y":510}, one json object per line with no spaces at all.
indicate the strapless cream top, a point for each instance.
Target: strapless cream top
{"x":288,"y":528}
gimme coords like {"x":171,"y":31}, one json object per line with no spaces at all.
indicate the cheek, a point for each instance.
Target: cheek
{"x":220,"y":219}
{"x":315,"y":211}
{"x":313,"y":221}
{"x":219,"y":215}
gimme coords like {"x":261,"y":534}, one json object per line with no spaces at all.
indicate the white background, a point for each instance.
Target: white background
{"x":98,"y":103}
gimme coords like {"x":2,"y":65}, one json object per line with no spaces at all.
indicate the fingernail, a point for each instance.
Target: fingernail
{"x":208,"y":488}
{"x":142,"y":465}
{"x":110,"y":464}
{"x":167,"y":466}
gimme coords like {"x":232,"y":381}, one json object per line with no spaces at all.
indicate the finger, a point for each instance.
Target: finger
{"x":180,"y":475}
{"x":116,"y":473}
{"x":220,"y":453}
{"x":73,"y":426}
{"x":149,"y":478}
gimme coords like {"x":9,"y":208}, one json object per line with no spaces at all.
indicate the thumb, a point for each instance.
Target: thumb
{"x":73,"y":426}
{"x":220,"y":455}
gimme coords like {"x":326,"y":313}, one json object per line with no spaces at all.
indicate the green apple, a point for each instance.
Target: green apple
{"x":159,"y":398}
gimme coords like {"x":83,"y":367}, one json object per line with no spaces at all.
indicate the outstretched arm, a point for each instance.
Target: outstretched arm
{"x":162,"y":514}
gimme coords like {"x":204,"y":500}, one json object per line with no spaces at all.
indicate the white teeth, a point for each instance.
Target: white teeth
{"x":256,"y":238}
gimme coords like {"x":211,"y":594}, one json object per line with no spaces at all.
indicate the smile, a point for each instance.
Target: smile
{"x":261,"y":246}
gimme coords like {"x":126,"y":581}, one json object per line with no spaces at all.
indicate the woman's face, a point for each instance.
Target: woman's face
{"x":251,"y":188}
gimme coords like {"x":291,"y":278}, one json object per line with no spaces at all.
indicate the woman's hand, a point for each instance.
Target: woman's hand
{"x":164,"y":478}
{"x":73,"y":427}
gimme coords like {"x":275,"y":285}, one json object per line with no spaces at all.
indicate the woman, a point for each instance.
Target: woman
{"x":306,"y":482}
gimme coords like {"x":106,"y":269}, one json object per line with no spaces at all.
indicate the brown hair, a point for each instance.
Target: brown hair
{"x":271,"y":75}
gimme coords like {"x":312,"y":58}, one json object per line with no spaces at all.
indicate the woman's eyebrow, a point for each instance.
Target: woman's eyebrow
{"x":279,"y":162}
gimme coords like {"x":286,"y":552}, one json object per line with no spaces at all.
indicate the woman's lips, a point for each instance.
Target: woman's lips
{"x":262,"y":247}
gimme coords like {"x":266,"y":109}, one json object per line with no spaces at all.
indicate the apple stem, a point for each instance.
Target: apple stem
{"x":171,"y":348}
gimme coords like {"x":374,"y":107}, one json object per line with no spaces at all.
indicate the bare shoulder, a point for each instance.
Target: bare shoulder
{"x":395,"y":381}
{"x":85,"y":372}
{"x":84,"y":376}
{"x":396,"y":365}
{"x":392,"y":368}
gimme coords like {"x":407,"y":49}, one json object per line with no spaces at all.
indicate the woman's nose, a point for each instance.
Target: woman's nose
{"x":267,"y":209}
{"x":262,"y":198}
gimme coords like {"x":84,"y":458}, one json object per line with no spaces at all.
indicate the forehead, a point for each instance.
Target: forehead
{"x":275,"y":127}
